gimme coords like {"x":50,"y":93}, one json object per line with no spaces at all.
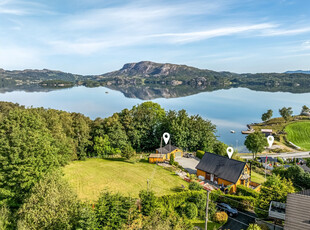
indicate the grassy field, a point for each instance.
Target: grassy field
{"x":258,"y":178}
{"x":299,"y":134}
{"x":93,"y":176}
{"x":201,"y":224}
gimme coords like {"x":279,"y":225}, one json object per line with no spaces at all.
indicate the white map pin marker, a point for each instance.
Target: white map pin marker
{"x":166,"y":137}
{"x":230,"y":151}
{"x":270,"y":140}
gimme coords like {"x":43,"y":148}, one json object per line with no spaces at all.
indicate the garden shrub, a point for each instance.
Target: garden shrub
{"x":200,"y":154}
{"x":280,"y":160}
{"x":264,"y":226}
{"x":191,"y":210}
{"x":220,"y":217}
{"x":245,"y":191}
{"x":172,"y":159}
{"x":195,"y":186}
{"x":254,"y":227}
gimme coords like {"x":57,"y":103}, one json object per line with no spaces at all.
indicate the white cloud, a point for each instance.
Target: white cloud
{"x":280,"y":32}
{"x":88,"y":46}
{"x":22,"y":8}
{"x":306,"y":45}
{"x":140,"y":13}
{"x":15,"y":57}
{"x":205,"y":34}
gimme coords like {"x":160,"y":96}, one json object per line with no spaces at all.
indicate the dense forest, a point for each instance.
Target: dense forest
{"x":35,"y":143}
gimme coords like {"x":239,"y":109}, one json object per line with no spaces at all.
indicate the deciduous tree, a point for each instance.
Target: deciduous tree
{"x":286,"y":113}
{"x":256,"y":142}
{"x":266,"y":116}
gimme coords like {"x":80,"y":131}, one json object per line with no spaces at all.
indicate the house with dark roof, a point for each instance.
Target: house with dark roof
{"x":225,"y":172}
{"x":297,"y":213}
{"x":164,"y":153}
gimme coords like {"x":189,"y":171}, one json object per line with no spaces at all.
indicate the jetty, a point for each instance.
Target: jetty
{"x":249,"y":131}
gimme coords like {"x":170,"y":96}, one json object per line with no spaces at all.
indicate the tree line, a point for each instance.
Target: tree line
{"x":286,"y":113}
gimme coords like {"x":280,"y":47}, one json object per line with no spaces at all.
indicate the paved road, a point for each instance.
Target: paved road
{"x":285,"y":155}
{"x":239,"y":222}
{"x":305,"y":168}
{"x":188,"y":164}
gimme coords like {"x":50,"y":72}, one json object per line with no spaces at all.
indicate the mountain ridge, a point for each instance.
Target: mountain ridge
{"x":151,"y":77}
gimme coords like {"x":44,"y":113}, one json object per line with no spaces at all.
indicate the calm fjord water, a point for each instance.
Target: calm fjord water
{"x":228,"y":109}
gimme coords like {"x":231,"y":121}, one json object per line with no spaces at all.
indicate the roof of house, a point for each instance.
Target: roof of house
{"x":222,"y":167}
{"x":167,"y":149}
{"x":304,"y":192}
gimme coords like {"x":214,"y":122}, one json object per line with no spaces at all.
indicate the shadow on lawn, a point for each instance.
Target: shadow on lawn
{"x":122,"y":159}
{"x":180,"y":188}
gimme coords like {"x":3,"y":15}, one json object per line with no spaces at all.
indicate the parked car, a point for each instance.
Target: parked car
{"x":229,"y":210}
{"x":300,"y":161}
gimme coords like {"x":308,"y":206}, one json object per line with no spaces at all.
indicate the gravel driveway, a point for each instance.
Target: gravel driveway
{"x":188,"y":164}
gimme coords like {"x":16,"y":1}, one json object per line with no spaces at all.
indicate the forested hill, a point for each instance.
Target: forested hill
{"x":299,"y":71}
{"x":185,"y":79}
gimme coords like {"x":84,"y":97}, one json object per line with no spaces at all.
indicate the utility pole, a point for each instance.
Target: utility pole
{"x":207,"y":208}
{"x":161,"y":145}
{"x":266,"y":165}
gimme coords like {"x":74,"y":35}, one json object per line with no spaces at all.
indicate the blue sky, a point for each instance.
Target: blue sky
{"x":97,"y":36}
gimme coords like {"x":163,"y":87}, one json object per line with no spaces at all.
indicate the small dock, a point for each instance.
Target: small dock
{"x":248,"y":131}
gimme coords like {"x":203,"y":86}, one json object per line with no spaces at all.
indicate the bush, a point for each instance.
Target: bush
{"x":128,"y":152}
{"x":148,"y":202}
{"x":245,"y":191}
{"x":172,"y":159}
{"x":193,"y":176}
{"x":195,"y":186}
{"x":191,"y":210}
{"x":280,"y":160}
{"x":4,"y":217}
{"x":264,"y":226}
{"x":254,"y":227}
{"x":200,"y":154}
{"x":220,"y":217}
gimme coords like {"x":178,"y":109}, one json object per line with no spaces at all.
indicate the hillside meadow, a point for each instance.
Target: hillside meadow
{"x":89,"y":178}
{"x":299,"y":134}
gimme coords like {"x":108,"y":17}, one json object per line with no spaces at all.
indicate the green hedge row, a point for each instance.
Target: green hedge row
{"x":175,"y":200}
{"x":245,"y":191}
{"x":238,"y":202}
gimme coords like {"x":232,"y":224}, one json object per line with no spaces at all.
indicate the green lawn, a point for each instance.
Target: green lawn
{"x":258,"y":178}
{"x":299,"y":134}
{"x":201,"y":224}
{"x":93,"y":176}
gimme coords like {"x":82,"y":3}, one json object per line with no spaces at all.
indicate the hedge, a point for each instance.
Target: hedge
{"x":245,"y":191}
{"x":200,"y":154}
{"x":238,"y":202}
{"x":175,"y":200}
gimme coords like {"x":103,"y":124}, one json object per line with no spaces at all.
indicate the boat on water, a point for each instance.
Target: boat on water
{"x":232,"y":131}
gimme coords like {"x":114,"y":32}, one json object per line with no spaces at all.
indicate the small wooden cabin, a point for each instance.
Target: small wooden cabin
{"x":164,"y":153}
